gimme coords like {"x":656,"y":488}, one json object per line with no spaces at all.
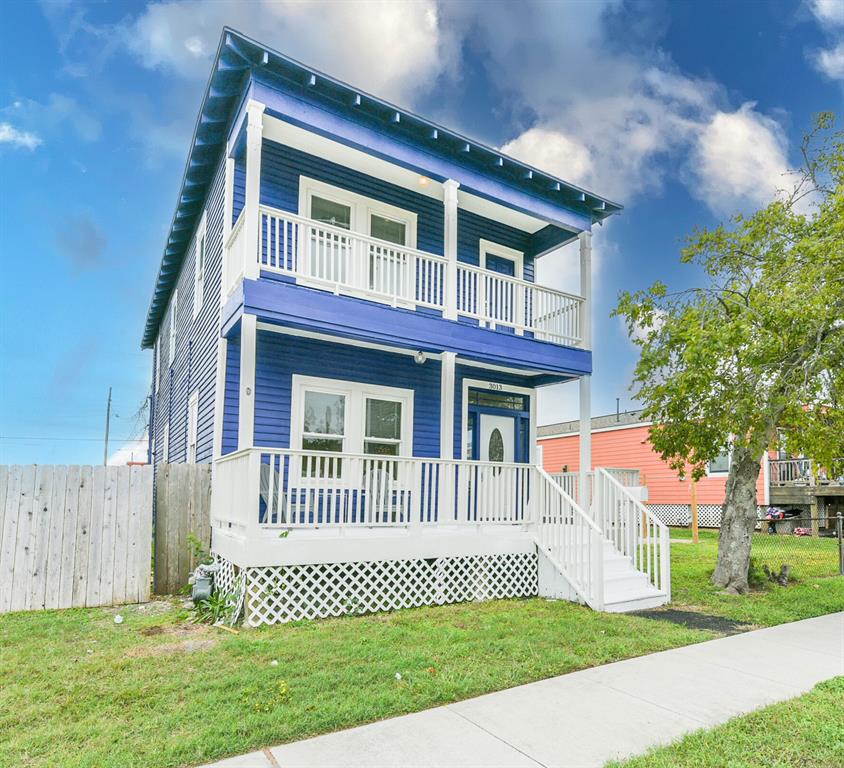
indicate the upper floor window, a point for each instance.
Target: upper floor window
{"x":342,"y":208}
{"x":174,"y":311}
{"x":199,"y":266}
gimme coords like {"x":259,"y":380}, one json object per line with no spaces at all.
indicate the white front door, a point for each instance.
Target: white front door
{"x":497,"y":438}
{"x":495,"y":487}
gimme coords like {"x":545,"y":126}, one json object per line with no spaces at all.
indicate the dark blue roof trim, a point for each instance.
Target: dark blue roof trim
{"x":237,"y":56}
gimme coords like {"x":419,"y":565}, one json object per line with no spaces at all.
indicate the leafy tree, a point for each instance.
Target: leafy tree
{"x":760,"y":344}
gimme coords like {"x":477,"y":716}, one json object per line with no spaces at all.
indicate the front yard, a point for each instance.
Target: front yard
{"x":79,"y":690}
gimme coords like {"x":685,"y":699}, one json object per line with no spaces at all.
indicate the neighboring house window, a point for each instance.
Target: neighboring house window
{"x":199,"y":267}
{"x":174,"y":311}
{"x":720,"y":465}
{"x":193,"y":419}
{"x":165,"y":444}
{"x":349,"y":417}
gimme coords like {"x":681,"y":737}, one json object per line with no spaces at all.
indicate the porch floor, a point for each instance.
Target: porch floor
{"x":586,"y":718}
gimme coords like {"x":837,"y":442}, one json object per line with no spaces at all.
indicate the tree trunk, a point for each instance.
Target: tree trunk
{"x":737,"y":523}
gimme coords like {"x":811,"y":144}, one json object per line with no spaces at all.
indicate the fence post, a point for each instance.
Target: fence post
{"x":840,"y":526}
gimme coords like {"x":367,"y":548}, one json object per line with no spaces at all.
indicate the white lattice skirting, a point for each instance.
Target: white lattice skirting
{"x":280,"y":594}
{"x":708,"y":515}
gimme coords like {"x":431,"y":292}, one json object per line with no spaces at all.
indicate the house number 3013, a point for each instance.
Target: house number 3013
{"x":496,"y":386}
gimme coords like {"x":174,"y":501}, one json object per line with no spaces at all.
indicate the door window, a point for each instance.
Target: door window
{"x":387,"y":229}
{"x":496,"y":445}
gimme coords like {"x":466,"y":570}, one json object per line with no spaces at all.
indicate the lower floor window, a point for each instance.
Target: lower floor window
{"x":349,"y":417}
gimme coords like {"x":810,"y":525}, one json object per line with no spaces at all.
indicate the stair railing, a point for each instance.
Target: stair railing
{"x":633,"y":529}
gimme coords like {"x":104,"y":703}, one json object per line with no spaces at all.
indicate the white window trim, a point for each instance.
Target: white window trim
{"x":720,"y":472}
{"x":361,"y":206}
{"x":496,"y":249}
{"x":193,"y":426}
{"x":199,"y":275}
{"x":165,"y":443}
{"x":174,"y":311}
{"x":355,"y":410}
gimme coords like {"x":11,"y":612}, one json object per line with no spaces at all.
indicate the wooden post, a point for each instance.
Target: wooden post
{"x":813,"y":515}
{"x":695,"y":534}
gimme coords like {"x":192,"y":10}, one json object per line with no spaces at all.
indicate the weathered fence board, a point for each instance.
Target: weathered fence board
{"x":182,"y":507}
{"x":74,"y":536}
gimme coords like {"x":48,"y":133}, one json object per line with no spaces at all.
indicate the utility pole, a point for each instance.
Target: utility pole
{"x":108,"y":420}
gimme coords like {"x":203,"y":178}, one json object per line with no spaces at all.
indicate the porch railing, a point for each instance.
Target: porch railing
{"x":341,"y":261}
{"x":631,"y":527}
{"x":282,"y":488}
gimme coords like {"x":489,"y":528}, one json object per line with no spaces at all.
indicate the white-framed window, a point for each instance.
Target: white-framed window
{"x":165,"y":444}
{"x":193,"y":420}
{"x":199,"y":265}
{"x":719,"y":465}
{"x":350,"y":417}
{"x":341,"y":208}
{"x":174,"y":311}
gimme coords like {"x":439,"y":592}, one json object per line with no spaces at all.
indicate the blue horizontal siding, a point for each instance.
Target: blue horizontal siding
{"x":231,"y":396}
{"x":281,"y":167}
{"x":471,"y":228}
{"x":279,"y":356}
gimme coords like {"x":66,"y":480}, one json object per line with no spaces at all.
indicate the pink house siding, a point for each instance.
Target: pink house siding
{"x":630,"y":447}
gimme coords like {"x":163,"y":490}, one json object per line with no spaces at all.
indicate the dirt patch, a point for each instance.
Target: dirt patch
{"x":182,"y":638}
{"x":165,"y":649}
{"x":695,"y":620}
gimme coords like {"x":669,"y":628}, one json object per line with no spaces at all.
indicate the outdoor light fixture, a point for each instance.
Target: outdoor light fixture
{"x":419,"y":357}
{"x":424,"y":181}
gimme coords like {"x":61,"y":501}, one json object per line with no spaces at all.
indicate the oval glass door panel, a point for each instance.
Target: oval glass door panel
{"x":496,"y":446}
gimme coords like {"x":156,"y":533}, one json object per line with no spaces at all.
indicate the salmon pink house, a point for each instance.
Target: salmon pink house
{"x":346,"y":323}
{"x":622,"y":440}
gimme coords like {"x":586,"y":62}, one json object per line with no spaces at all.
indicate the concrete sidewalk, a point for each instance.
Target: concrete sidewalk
{"x":586,"y":718}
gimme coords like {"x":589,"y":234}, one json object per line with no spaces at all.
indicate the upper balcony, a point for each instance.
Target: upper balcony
{"x":332,"y":258}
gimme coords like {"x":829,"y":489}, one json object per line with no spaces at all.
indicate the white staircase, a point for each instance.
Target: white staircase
{"x":614,"y":560}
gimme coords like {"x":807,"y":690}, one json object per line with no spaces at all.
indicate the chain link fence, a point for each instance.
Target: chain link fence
{"x":812,"y":549}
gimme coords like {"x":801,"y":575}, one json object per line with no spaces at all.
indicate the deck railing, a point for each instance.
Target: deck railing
{"x":282,"y":488}
{"x":336,"y":259}
{"x":631,"y":527}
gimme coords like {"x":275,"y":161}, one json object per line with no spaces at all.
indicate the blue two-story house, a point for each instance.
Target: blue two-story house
{"x":346,"y":322}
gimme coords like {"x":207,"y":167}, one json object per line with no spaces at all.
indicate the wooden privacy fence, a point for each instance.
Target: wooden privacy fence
{"x":73,"y":536}
{"x":182,"y":507}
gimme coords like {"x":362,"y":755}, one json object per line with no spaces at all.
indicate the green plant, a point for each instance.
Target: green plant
{"x":215,"y":609}
{"x":199,"y":552}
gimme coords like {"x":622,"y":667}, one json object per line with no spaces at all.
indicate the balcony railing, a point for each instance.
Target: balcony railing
{"x":803,"y":472}
{"x":335,"y":259}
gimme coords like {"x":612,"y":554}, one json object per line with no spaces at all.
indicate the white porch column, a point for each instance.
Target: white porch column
{"x":449,"y":360}
{"x":252,"y":196}
{"x":585,"y":381}
{"x":246,"y":410}
{"x":586,"y":289}
{"x":450,"y":188}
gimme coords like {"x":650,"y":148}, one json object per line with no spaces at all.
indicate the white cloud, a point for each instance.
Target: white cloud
{"x":17,"y":138}
{"x":828,"y":12}
{"x":390,"y":48}
{"x":831,"y":61}
{"x":52,"y":117}
{"x":552,"y":151}
{"x":739,"y":158}
{"x":134,"y":450}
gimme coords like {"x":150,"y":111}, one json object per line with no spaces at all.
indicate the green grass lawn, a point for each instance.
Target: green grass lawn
{"x":813,"y":593}
{"x":806,"y":732}
{"x":79,"y":690}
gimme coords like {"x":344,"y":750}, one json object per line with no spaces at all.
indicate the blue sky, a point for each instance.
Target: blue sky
{"x":683,"y":112}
